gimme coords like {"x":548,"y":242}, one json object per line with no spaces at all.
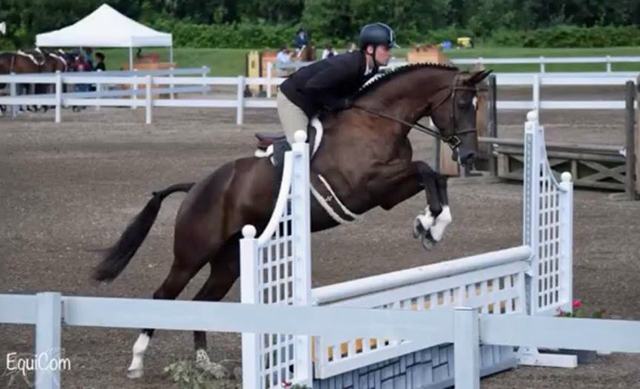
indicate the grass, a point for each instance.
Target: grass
{"x":232,"y":62}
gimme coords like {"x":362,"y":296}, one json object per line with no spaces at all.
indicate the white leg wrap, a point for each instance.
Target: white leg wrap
{"x":427,"y":219}
{"x":139,"y":348}
{"x":442,"y":221}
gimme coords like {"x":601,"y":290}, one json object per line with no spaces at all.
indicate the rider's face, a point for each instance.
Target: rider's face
{"x":382,"y":55}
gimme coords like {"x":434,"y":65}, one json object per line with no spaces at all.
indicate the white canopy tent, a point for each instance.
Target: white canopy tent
{"x":106,"y":27}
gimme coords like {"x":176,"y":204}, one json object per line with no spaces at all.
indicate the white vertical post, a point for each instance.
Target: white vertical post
{"x":531,"y":195}
{"x":566,"y":240}
{"x":99,"y":91}
{"x":301,"y":203}
{"x":130,"y":58}
{"x":542,"y":67}
{"x":148,"y":99}
{"x":171,"y":94}
{"x":240,"y":108}
{"x":48,"y":334}
{"x":536,"y":92}
{"x":466,"y":348}
{"x":134,"y":89}
{"x":204,"y":75}
{"x":13,"y":92}
{"x":249,"y":294}
{"x":58,"y":96}
{"x":171,"y":53}
{"x":608,"y":64}
{"x":269,"y":75}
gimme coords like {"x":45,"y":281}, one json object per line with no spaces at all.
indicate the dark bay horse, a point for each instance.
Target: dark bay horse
{"x":366,"y":157}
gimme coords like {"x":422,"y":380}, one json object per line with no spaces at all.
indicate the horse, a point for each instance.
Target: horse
{"x":306,"y":53}
{"x":365,"y":156}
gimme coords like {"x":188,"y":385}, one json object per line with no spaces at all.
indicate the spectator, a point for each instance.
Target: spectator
{"x":301,"y":39}
{"x":100,"y":62}
{"x":328,"y":52}
{"x":283,"y":55}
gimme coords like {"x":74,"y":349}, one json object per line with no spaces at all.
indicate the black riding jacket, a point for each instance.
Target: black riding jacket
{"x":326,"y":84}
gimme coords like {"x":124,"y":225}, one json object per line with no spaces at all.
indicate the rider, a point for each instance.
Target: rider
{"x":329,"y":83}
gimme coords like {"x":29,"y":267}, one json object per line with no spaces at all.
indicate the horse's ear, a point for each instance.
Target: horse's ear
{"x":479,"y":76}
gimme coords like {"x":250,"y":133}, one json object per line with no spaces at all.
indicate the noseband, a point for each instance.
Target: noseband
{"x":454,"y":140}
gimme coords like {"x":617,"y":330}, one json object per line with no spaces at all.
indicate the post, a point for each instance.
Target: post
{"x":148,"y":99}
{"x":130,"y":58}
{"x":58,"y":96}
{"x":171,"y":53}
{"x":608,"y":64}
{"x":99,"y":91}
{"x":566,"y":239}
{"x":171,"y":94}
{"x":48,"y":335}
{"x":630,"y":143}
{"x":204,"y":85}
{"x":301,"y":204}
{"x":249,"y":294}
{"x":269,"y":71}
{"x":493,"y":123}
{"x":542,"y":67}
{"x":466,"y":348}
{"x":536,"y":93}
{"x":240,"y":107}
{"x":13,"y":93}
{"x":134,"y":89}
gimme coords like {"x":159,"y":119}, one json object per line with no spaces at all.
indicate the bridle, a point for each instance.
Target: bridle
{"x":454,"y":140}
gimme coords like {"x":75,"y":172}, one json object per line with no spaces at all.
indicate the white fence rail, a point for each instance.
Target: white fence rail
{"x":461,"y":326}
{"x":134,"y":97}
{"x":541,"y":61}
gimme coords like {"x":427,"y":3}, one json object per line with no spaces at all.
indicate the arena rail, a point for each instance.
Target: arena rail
{"x":241,"y":101}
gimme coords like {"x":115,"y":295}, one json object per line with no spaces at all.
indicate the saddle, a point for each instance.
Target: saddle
{"x":274,"y":146}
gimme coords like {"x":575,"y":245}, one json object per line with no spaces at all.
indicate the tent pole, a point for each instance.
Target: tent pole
{"x":130,"y":58}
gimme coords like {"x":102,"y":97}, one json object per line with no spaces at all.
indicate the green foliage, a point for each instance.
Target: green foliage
{"x":187,"y":376}
{"x":569,"y":36}
{"x":261,"y":24}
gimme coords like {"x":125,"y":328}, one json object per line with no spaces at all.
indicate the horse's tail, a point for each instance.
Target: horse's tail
{"x":118,"y":256}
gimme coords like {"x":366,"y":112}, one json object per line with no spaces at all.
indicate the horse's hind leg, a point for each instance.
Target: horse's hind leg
{"x":182,"y":270}
{"x":225,"y":270}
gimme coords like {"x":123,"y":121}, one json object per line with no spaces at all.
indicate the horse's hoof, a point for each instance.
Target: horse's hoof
{"x":418,"y":230}
{"x":135,"y":373}
{"x":427,"y":241}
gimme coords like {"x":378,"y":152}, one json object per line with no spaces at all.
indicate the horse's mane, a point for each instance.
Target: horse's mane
{"x":399,"y":71}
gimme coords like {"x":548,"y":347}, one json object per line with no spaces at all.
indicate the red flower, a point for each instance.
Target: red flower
{"x":576,"y":304}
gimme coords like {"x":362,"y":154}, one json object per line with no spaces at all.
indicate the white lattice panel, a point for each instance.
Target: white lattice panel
{"x":496,"y":290}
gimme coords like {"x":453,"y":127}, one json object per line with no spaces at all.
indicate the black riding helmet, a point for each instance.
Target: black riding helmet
{"x":377,"y":34}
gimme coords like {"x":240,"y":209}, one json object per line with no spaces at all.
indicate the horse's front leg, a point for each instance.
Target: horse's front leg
{"x":406,"y":183}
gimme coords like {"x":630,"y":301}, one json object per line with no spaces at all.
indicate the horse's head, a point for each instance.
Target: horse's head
{"x":455,"y":115}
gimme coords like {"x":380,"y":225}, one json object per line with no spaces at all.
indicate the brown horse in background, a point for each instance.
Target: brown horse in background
{"x":307,"y":53}
{"x":366,"y":157}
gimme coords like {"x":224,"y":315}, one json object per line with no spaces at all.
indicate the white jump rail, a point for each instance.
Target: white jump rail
{"x":462,"y":326}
